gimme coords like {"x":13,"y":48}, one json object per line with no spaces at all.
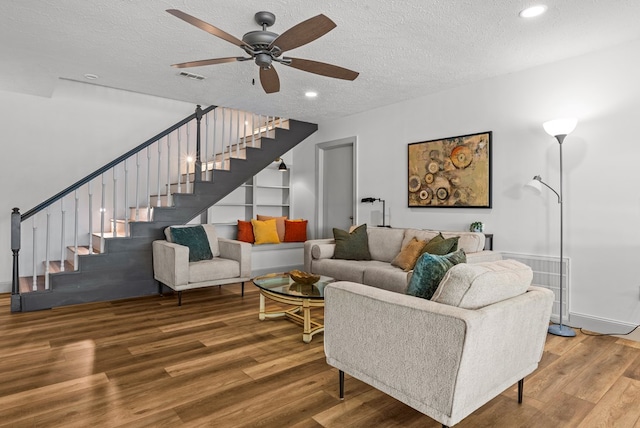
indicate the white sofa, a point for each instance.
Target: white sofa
{"x":384,"y":245}
{"x":444,"y":360}
{"x":231,"y":263}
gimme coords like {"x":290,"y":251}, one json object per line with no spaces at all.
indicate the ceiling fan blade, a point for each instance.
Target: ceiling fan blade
{"x":322,"y":68}
{"x":207,"y":62}
{"x":270,"y":80}
{"x":207,"y":27}
{"x":303,"y":33}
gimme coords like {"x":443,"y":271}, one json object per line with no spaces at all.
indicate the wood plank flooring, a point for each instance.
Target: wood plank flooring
{"x":147,"y":362}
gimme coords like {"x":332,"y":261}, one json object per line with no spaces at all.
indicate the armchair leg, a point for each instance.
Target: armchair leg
{"x":160,"y":288}
{"x":179,"y":298}
{"x":341,"y":377}
{"x":242,"y":288}
{"x":520,"y":388}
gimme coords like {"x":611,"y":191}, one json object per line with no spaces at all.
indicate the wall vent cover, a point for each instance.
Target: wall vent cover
{"x":191,"y":75}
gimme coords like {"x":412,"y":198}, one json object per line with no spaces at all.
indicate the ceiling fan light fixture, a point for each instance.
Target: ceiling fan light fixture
{"x":90,"y":76}
{"x":533,"y":11}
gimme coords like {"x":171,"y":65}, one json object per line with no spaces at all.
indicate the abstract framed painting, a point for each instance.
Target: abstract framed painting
{"x":452,"y":172}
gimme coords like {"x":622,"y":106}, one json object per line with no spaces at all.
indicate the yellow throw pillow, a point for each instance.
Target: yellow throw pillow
{"x":279,"y":224}
{"x":265,"y":231}
{"x":407,"y":258}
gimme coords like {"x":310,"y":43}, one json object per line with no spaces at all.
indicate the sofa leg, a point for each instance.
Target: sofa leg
{"x":160,"y":288}
{"x":179,"y":298}
{"x":520,"y":388}
{"x":242,"y":289}
{"x":341,"y":377}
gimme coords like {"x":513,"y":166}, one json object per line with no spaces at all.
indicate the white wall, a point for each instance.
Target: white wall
{"x":50,"y":143}
{"x":601,"y":173}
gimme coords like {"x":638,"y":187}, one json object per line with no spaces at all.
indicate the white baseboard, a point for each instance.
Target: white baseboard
{"x":5,"y":287}
{"x":599,"y":325}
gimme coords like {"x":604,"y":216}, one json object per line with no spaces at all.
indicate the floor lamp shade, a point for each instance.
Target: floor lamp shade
{"x":560,"y":126}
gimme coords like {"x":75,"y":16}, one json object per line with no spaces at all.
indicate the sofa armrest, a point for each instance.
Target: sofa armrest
{"x":170,"y":263}
{"x":425,"y":353}
{"x":308,"y":247}
{"x":238,"y":251}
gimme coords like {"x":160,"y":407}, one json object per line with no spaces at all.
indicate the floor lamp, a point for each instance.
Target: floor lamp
{"x":559,"y":129}
{"x":372,"y":200}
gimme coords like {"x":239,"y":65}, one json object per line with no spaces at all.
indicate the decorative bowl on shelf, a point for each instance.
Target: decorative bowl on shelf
{"x":303,"y":277}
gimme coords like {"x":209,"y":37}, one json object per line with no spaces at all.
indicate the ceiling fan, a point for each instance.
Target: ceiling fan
{"x":265,"y":47}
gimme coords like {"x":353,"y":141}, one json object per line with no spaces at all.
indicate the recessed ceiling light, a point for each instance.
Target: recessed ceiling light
{"x":310,"y":94}
{"x":533,"y":11}
{"x":91,"y":76}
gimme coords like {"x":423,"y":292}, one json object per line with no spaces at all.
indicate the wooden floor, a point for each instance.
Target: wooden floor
{"x":212,"y":363}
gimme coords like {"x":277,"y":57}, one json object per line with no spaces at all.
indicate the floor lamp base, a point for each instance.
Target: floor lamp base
{"x":561,"y":330}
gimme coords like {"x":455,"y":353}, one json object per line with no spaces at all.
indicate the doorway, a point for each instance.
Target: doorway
{"x":336,"y":186}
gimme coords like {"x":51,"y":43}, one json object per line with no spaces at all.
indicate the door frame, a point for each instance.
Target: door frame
{"x":321,"y":148}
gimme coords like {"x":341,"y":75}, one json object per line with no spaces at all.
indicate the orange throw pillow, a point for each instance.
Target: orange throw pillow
{"x":295,"y":230}
{"x":279,"y":224}
{"x":245,"y":231}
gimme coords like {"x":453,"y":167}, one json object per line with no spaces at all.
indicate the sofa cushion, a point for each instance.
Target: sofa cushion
{"x":214,"y":269}
{"x":196,"y":239}
{"x":245,"y":232}
{"x":352,"y":246}
{"x":382,"y":275}
{"x":342,"y":270}
{"x":470,"y":242}
{"x":295,"y":230}
{"x":265,"y":231}
{"x":441,"y":246}
{"x":419,"y":234}
{"x":429,"y":271}
{"x":472,"y":286}
{"x":385,"y":243}
{"x":409,"y":254}
{"x":279,"y":224}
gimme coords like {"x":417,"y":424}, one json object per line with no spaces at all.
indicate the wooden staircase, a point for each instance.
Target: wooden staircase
{"x":119,"y":263}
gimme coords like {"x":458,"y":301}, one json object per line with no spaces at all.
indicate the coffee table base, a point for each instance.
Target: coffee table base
{"x":300,"y":304}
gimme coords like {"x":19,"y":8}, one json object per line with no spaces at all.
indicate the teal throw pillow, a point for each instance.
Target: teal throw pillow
{"x":195,"y":238}
{"x":441,"y":246}
{"x":352,"y":246}
{"x":429,"y":271}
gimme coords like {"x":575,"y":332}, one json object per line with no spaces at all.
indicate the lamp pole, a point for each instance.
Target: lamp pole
{"x":559,"y":129}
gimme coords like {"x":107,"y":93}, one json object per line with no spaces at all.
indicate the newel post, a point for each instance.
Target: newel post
{"x":15,"y":248}
{"x":197,"y":172}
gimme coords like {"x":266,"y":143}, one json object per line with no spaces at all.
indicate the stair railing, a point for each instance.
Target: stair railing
{"x":124,"y":199}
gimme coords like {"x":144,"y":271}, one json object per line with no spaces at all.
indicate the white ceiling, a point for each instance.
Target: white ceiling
{"x":402,"y":49}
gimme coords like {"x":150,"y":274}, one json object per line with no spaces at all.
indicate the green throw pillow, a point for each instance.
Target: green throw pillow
{"x":352,"y":246}
{"x":429,"y":271}
{"x":195,"y":238}
{"x":441,"y":246}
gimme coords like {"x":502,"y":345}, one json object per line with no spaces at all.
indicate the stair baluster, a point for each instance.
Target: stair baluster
{"x":47,"y":254}
{"x":90,"y":215}
{"x":76,"y":230}
{"x":103,"y":210}
{"x":179,"y":158}
{"x":127,"y":207}
{"x":188,"y":161}
{"x":114,"y":215}
{"x":168,"y":203}
{"x":62,"y":234}
{"x":158,"y":180}
{"x":148,"y":194}
{"x":34,"y":284}
{"x":137,"y":217}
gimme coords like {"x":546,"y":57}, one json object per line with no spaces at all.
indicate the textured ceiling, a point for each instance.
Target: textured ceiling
{"x":402,"y":49}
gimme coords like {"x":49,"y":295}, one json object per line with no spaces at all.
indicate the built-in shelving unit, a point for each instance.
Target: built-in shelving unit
{"x":267,"y":193}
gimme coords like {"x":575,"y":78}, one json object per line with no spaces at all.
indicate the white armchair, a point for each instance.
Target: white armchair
{"x":171,"y":267}
{"x":444,"y":361}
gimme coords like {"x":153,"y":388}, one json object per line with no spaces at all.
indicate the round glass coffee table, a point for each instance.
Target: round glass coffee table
{"x":279,"y":287}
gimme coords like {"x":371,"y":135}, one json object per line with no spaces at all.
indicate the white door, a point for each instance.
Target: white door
{"x":336,"y":186}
